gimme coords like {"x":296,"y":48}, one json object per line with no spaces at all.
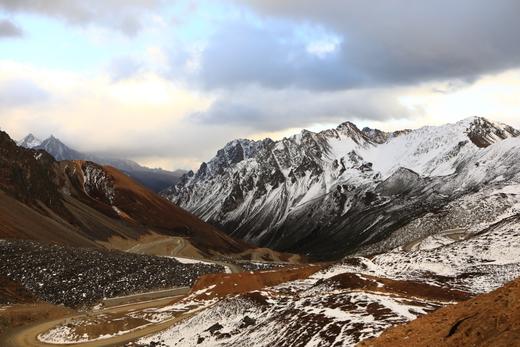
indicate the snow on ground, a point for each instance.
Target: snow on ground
{"x":479,"y":264}
{"x":338,"y":317}
{"x":190,"y":261}
{"x":64,"y":335}
{"x":313,"y":313}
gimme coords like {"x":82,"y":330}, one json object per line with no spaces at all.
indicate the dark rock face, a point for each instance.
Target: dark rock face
{"x":401,"y":182}
{"x":483,"y":133}
{"x":326,"y":194}
{"x":28,"y":175}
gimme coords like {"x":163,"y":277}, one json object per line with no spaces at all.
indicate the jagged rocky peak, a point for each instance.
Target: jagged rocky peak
{"x":350,"y":130}
{"x":484,"y":133}
{"x":292,"y":193}
{"x":30,"y":141}
{"x":58,"y":149}
{"x":376,"y":135}
{"x":232,"y":153}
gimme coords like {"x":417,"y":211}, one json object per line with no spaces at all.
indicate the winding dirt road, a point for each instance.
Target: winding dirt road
{"x":27,"y":336}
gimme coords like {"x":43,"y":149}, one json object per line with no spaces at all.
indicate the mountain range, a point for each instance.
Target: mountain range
{"x":416,"y":221}
{"x":347,"y":190}
{"x":81,"y":203}
{"x":155,"y":179}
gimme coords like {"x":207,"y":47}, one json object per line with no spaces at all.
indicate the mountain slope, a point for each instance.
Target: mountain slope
{"x":81,"y":203}
{"x":488,"y":320}
{"x":154,"y":179}
{"x":331,"y":192}
{"x":359,"y":297}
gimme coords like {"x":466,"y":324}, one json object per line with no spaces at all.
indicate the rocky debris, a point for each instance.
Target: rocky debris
{"x":310,"y":311}
{"x":13,"y":293}
{"x":79,"y":277}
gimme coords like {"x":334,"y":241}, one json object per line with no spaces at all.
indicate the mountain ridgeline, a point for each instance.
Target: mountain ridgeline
{"x":154,"y":179}
{"x":345,"y":190}
{"x":81,"y":203}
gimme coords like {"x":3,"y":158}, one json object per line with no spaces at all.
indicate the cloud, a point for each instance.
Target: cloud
{"x":394,"y":42}
{"x":9,"y":30}
{"x":273,"y":55}
{"x":271,"y":110}
{"x":124,"y":67}
{"x":151,"y":119}
{"x":21,"y":93}
{"x":124,"y":15}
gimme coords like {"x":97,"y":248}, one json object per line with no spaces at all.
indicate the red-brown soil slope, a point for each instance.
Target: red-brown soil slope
{"x":78,"y":203}
{"x":491,"y":319}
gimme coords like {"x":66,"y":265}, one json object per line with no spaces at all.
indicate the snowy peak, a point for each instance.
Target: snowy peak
{"x":376,"y":135}
{"x":154,"y":179}
{"x":30,"y":141}
{"x":484,"y":133}
{"x":296,"y":193}
{"x":59,"y":150}
{"x":233,"y":152}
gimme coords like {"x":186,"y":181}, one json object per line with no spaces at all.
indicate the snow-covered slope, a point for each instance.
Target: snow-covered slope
{"x":359,"y":297}
{"x":330,"y":192}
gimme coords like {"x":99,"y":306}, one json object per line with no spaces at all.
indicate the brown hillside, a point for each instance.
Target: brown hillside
{"x":81,"y":203}
{"x":491,"y":319}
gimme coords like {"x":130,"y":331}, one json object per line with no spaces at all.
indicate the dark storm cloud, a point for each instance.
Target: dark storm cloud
{"x":241,"y":53}
{"x":382,"y":43}
{"x":9,"y":30}
{"x":123,"y":15}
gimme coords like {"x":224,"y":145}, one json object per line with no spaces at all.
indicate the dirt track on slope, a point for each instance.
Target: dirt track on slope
{"x":236,"y":283}
{"x":27,"y":336}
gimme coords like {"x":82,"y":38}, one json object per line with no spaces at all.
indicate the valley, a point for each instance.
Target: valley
{"x":339,"y":250}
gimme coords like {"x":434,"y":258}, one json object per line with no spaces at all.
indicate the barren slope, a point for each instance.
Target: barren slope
{"x":491,"y":319}
{"x":81,"y":203}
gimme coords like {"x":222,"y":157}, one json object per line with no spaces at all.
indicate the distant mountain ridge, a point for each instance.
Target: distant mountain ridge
{"x":334,"y":192}
{"x":81,"y":203}
{"x":155,"y":179}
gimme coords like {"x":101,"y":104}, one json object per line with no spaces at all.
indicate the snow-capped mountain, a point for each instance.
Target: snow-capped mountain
{"x":155,"y":179}
{"x":59,"y":150}
{"x":30,"y":141}
{"x":329,"y":193}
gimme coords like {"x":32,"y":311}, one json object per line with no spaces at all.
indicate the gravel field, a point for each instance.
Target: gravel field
{"x":79,"y":277}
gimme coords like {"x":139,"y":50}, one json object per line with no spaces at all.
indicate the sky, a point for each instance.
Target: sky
{"x":168,"y":83}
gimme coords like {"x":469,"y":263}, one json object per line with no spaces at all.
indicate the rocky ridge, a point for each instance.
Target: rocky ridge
{"x":331,"y":193}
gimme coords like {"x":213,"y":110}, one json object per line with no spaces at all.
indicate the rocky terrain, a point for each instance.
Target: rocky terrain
{"x":359,"y":298}
{"x":80,"y":277}
{"x":488,"y":320}
{"x":342,"y":190}
{"x":154,"y":179}
{"x":420,"y":225}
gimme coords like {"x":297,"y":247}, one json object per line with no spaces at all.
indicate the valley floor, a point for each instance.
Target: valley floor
{"x":274,"y":304}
